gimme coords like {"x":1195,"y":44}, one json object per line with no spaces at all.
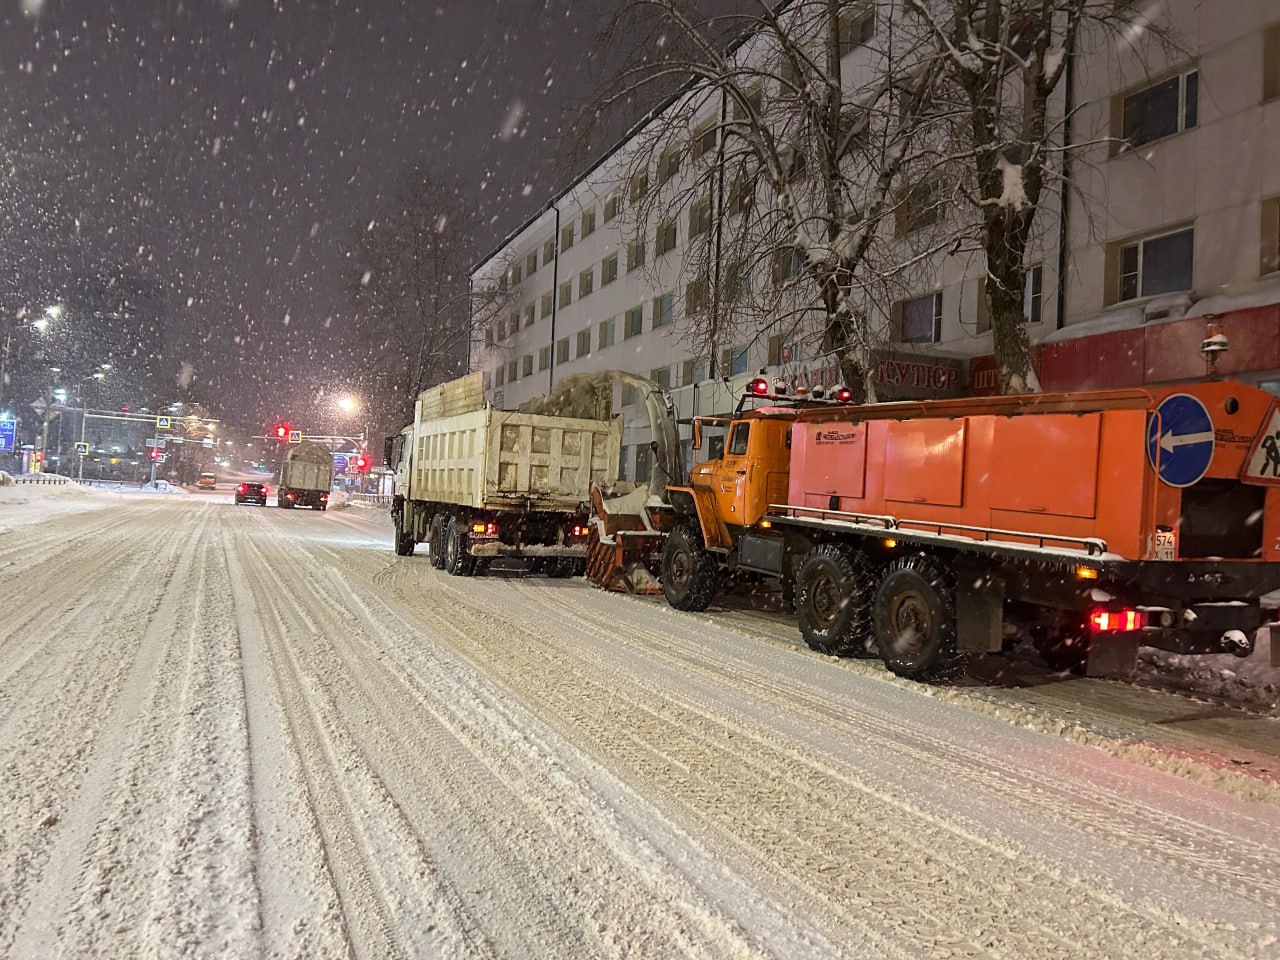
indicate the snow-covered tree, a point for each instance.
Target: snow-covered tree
{"x":856,"y":143}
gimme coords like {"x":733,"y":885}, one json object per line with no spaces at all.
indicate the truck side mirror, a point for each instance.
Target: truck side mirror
{"x":387,"y":444}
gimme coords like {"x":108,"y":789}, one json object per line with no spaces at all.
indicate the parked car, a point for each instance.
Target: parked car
{"x":207,"y":481}
{"x":252,"y":492}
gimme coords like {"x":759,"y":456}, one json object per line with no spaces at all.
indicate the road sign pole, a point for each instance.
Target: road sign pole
{"x":84,"y":420}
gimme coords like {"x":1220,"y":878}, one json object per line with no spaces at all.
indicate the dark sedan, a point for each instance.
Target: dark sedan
{"x":252,"y":493}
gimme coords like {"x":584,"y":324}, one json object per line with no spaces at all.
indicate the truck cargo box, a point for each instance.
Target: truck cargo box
{"x":468,"y":454}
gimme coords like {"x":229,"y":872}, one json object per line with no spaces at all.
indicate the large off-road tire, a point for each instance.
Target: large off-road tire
{"x":914,"y":618}
{"x":834,"y":589}
{"x":435,"y":541}
{"x":1066,"y":649}
{"x":689,"y":571}
{"x":457,"y":562}
{"x":404,"y":539}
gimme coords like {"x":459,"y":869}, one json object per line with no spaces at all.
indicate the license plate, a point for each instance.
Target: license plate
{"x":1166,"y":545}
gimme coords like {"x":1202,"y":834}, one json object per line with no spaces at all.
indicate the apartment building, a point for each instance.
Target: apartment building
{"x":1171,"y":223}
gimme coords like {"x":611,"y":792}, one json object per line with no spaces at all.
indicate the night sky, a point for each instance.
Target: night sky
{"x":226,"y":148}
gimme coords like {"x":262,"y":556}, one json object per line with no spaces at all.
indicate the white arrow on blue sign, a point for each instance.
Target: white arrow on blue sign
{"x":1180,"y":440}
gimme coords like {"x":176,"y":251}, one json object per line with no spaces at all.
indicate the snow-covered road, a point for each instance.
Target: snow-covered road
{"x":252,"y":732}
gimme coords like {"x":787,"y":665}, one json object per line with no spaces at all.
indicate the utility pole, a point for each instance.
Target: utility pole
{"x":84,"y":420}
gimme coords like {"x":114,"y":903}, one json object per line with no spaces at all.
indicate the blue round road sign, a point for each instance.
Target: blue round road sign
{"x":1180,"y":440}
{"x":340,"y":463}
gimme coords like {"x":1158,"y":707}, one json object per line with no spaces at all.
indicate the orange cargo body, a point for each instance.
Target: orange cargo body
{"x":1070,"y":466}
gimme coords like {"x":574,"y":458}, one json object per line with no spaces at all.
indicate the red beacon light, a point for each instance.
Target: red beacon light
{"x":759,"y":387}
{"x":844,"y":395}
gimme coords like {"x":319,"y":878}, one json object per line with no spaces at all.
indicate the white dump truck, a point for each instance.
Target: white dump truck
{"x":306,"y":476}
{"x":475,"y":483}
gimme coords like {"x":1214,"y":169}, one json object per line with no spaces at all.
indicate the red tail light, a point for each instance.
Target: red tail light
{"x":577,"y":530}
{"x":265,"y":491}
{"x":1116,"y":621}
{"x":291,"y":496}
{"x":240,"y":489}
{"x":324,"y":497}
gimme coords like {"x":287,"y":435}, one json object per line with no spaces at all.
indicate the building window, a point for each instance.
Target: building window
{"x":699,"y":217}
{"x":512,"y":371}
{"x":661,"y":376}
{"x":737,"y":280}
{"x":919,"y":320}
{"x":548,"y":251}
{"x":918,"y":206}
{"x":586,"y":282}
{"x":857,"y":26}
{"x":742,"y":194}
{"x":500,"y":375}
{"x":1271,"y":235}
{"x":526,"y":365}
{"x":584,"y":342}
{"x":635,"y":254}
{"x":704,"y":138}
{"x":544,"y":357}
{"x":566,"y":237}
{"x":605,"y":338}
{"x":753,"y":107}
{"x":797,"y":164}
{"x":1271,"y":62}
{"x":734,"y":360}
{"x":634,"y":323}
{"x":529,"y":315}
{"x":668,"y":164}
{"x":562,"y":350}
{"x":1160,"y":110}
{"x":612,"y":206}
{"x":548,"y":303}
{"x":1033,"y":295}
{"x":531,"y":263}
{"x":693,"y":370}
{"x":566,"y":293}
{"x":788,"y":262}
{"x":695,"y":295}
{"x":663,"y":310}
{"x":666,"y":241}
{"x":488,"y":337}
{"x":588,"y":222}
{"x":516,"y":274}
{"x":1153,"y":265}
{"x":609,"y":269}
{"x":638,"y":186}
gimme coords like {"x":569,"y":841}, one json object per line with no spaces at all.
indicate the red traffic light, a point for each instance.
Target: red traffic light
{"x":153,"y":453}
{"x":282,"y":431}
{"x":362,"y":463}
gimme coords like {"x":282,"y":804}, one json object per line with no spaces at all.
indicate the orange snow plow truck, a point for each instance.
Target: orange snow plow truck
{"x":1088,"y":523}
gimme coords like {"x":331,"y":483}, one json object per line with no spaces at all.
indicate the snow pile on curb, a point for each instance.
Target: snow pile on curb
{"x":23,"y":503}
{"x":339,"y":500}
{"x":5,"y":479}
{"x":1250,"y":680}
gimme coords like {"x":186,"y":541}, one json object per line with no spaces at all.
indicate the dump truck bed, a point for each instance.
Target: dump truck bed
{"x":504,"y":460}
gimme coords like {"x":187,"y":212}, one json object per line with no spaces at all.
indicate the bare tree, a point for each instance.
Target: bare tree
{"x":851,"y":177}
{"x":406,"y":276}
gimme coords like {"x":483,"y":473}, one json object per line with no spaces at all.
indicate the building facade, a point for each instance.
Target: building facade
{"x":1171,"y":223}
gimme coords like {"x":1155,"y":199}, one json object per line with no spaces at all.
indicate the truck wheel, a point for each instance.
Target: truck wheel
{"x":457,"y":562}
{"x":915,"y":619}
{"x":435,"y":542}
{"x":689,"y":572}
{"x":1064,"y":651}
{"x":404,"y":541}
{"x":833,"y":591}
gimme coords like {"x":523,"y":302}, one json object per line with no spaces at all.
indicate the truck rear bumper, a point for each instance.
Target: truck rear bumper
{"x":496,"y":549}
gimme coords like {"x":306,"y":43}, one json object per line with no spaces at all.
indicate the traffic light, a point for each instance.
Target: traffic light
{"x":362,"y":463}
{"x":153,"y":453}
{"x":282,"y":431}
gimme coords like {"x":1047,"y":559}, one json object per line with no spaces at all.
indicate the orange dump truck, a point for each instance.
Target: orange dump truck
{"x":1088,"y":523}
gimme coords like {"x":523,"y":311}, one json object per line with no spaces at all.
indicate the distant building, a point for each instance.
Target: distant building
{"x":1162,"y":240}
